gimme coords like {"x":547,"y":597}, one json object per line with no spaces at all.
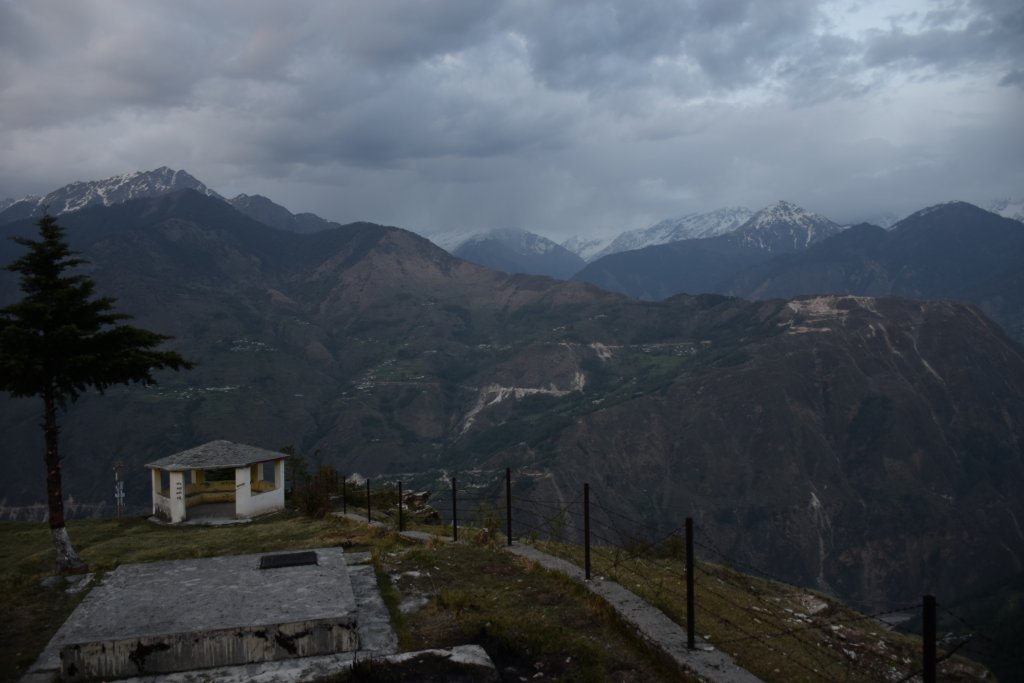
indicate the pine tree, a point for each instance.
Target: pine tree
{"x":59,"y":341}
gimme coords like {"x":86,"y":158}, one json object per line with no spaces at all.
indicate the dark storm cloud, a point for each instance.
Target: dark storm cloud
{"x":1015,"y":77}
{"x":563,"y":115}
{"x":983,"y":32}
{"x":388,"y":33}
{"x":602,"y":45}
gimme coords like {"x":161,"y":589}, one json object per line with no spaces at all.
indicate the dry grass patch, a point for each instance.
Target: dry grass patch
{"x":535,"y":624}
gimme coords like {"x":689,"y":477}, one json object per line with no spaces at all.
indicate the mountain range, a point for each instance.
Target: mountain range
{"x":690,"y":226}
{"x":116,"y":190}
{"x":519,"y":251}
{"x":509,"y":250}
{"x":865,"y":446}
{"x":700,"y":265}
{"x":953,"y":251}
{"x":514,"y":258}
{"x":720,"y":222}
{"x":780,"y":227}
{"x":160,"y":181}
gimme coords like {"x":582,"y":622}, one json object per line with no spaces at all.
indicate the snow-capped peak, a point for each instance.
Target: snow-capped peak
{"x":784,"y":226}
{"x":118,"y":189}
{"x":783,"y":211}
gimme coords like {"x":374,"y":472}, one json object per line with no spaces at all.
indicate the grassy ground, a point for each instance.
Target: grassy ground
{"x":775,"y":630}
{"x":534,"y":624}
{"x":31,"y":614}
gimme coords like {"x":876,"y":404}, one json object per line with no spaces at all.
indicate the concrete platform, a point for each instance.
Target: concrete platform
{"x":207,"y":512}
{"x":192,"y":614}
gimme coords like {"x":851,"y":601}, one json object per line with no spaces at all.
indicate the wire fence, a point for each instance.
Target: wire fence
{"x":756,"y":615}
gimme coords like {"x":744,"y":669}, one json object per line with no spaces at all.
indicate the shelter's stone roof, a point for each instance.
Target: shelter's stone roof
{"x":215,"y":455}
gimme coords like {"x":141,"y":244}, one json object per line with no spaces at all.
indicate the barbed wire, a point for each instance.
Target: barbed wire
{"x":1000,"y":652}
{"x":553,"y":517}
{"x":731,"y":624}
{"x":826,"y":623}
{"x":775,"y":620}
{"x":660,"y":578}
{"x":597,"y":503}
{"x":659,"y":587}
{"x":732,"y":561}
{"x":938,"y":660}
{"x":548,"y":503}
{"x":649,"y":580}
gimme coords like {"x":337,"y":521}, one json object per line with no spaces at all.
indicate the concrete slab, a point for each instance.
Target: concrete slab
{"x":212,"y":512}
{"x":376,"y":636}
{"x":474,"y":662}
{"x":209,"y":514}
{"x":424,"y":537}
{"x":191,"y":614}
{"x":357,"y":517}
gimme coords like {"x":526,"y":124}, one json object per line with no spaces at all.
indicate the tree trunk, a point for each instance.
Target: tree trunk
{"x":68,"y":561}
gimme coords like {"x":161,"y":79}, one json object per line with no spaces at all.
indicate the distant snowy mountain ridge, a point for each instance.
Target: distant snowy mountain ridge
{"x":6,"y":203}
{"x":116,"y":190}
{"x":1008,"y":208}
{"x":521,"y":241}
{"x":698,"y":225}
{"x":691,"y":226}
{"x":450,"y":240}
{"x":587,"y":247}
{"x":518,"y":251}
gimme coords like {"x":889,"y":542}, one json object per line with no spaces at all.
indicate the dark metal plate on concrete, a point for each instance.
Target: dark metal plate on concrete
{"x":288,"y":560}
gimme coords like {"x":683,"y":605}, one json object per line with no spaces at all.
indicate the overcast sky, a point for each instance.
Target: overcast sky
{"x":561,"y":117}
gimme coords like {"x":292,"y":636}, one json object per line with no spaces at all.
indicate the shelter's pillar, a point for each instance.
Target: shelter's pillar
{"x":243,"y":491}
{"x":177,"y":495}
{"x":155,"y":479}
{"x":279,"y":475}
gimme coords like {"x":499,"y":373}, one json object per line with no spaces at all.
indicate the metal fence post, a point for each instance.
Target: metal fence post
{"x":508,"y":504}
{"x":928,"y":636}
{"x":401,"y":522}
{"x":586,"y":529}
{"x":455,"y":514}
{"x":690,"y":618}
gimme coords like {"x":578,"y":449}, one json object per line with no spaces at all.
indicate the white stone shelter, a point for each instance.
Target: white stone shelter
{"x":218,"y":473}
